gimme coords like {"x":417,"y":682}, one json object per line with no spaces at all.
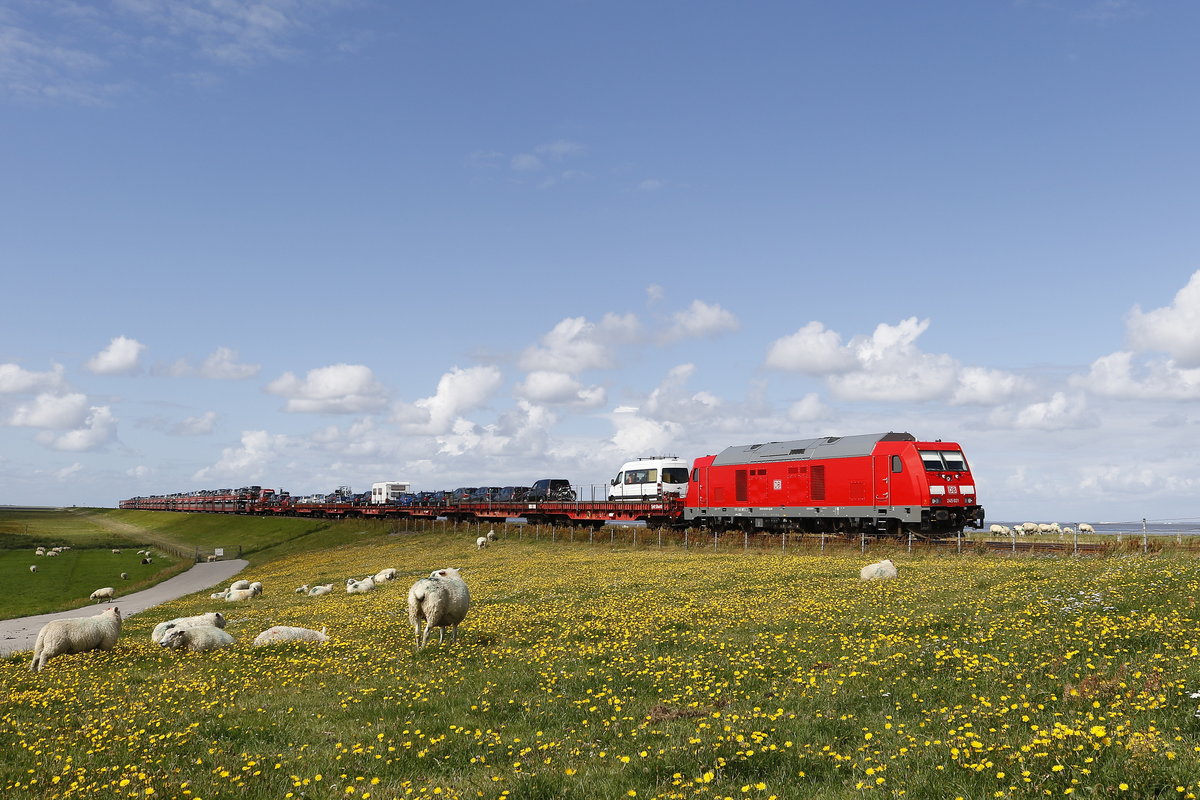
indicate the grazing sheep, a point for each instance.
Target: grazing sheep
{"x":442,"y":601}
{"x":491,"y":534}
{"x":213,"y":618}
{"x":115,"y":550}
{"x":286,"y":633}
{"x":210,"y":559}
{"x":1002,"y":530}
{"x":124,"y":576}
{"x":240,"y":585}
{"x":481,"y":542}
{"x":388,"y":574}
{"x":1086,"y":528}
{"x":107,"y":593}
{"x":33,"y":567}
{"x":146,"y":560}
{"x":51,"y":553}
{"x":76,"y":635}
{"x":197,"y":638}
{"x":1029,"y":527}
{"x":360,"y":587}
{"x":237,"y":595}
{"x":878,"y":570}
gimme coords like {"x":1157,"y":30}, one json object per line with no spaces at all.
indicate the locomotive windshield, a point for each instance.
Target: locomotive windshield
{"x":944,"y":460}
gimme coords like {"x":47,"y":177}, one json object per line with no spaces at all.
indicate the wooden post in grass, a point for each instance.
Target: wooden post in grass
{"x":1145,"y":543}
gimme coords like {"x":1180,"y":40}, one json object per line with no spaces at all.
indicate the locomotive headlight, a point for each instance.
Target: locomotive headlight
{"x":967,"y":488}
{"x":937,"y":489}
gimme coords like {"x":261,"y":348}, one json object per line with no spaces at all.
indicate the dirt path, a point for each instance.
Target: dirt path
{"x":20,"y":633}
{"x":132,"y":531}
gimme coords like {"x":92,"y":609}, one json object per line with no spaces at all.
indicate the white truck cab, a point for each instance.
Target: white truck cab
{"x":650,"y":478}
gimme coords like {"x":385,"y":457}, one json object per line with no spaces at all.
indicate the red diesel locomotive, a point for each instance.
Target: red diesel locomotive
{"x":886,"y":483}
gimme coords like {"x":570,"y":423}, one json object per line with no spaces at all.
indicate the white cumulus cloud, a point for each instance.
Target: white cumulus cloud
{"x":248,"y":460}
{"x":56,"y":412}
{"x":336,"y":389}
{"x":988,"y":387}
{"x":459,"y":391}
{"x":813,"y":350}
{"x":1116,"y":375}
{"x":99,"y":427}
{"x":1173,"y":329}
{"x":196,"y":426}
{"x":700,"y":319}
{"x":14,"y":379}
{"x":221,"y":364}
{"x":1058,"y":413}
{"x":559,"y":388}
{"x":121,"y":357}
{"x":576,"y":344}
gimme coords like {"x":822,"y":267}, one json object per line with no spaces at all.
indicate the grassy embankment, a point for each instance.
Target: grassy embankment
{"x":592,"y":671}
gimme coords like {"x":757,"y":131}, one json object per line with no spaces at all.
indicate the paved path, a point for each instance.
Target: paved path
{"x":21,"y":633}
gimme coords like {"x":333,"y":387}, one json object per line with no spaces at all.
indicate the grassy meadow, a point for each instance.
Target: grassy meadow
{"x":590,"y":671}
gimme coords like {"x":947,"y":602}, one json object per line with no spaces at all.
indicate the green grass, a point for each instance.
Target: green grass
{"x":589,"y":671}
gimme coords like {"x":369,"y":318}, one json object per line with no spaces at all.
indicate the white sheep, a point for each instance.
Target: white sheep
{"x":213,"y":618}
{"x":219,"y":595}
{"x":33,"y":567}
{"x":257,"y":586}
{"x":286,"y":633}
{"x":115,"y":550}
{"x":51,"y":553}
{"x":124,"y":576}
{"x":210,"y":559}
{"x":878,"y":571}
{"x":317,"y":591}
{"x":1086,"y":528}
{"x":147,"y":560}
{"x":107,"y":593}
{"x":197,"y":638}
{"x":481,"y":542}
{"x":491,"y":534}
{"x":302,"y":589}
{"x":1029,"y":527}
{"x":360,"y":587}
{"x":77,"y":635}
{"x":442,"y":601}
{"x":237,"y":595}
{"x":1002,"y":530}
{"x":243,"y":584}
{"x":388,"y":574}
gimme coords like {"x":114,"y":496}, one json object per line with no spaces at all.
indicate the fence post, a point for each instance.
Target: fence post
{"x":1014,"y":538}
{"x":959,"y":537}
{"x":910,"y":541}
{"x":591,"y":535}
{"x":715,"y":534}
{"x":660,"y":538}
{"x":822,"y":541}
{"x":862,"y":543}
{"x":1076,"y":550}
{"x":685,"y":538}
{"x":745,"y":541}
{"x":1145,"y":544}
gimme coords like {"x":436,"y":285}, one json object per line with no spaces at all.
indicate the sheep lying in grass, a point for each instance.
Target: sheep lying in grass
{"x":878,"y":570}
{"x":317,"y":591}
{"x":388,"y":574}
{"x":286,"y":633}
{"x":213,"y":619}
{"x":359,"y":587}
{"x":441,"y":601}
{"x":238,"y":595}
{"x":197,"y":638}
{"x":107,"y":593}
{"x":219,"y":595}
{"x":240,"y":585}
{"x":77,"y":635}
{"x":301,"y":589}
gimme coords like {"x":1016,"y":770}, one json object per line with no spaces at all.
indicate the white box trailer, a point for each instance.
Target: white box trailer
{"x":388,"y":492}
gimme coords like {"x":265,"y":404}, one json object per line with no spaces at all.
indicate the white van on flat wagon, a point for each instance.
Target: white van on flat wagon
{"x":649,"y":478}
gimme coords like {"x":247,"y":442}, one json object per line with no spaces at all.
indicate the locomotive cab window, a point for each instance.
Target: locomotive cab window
{"x":897,"y":465}
{"x":932,"y":460}
{"x":954,"y":461}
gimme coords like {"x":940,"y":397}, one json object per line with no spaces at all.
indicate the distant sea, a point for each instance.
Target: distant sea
{"x":1188,"y":527}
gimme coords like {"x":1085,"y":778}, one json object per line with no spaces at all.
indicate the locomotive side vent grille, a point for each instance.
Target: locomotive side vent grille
{"x":818,"y":482}
{"x":739,"y":486}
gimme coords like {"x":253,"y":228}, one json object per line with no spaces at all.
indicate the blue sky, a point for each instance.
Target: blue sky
{"x":306,"y":243}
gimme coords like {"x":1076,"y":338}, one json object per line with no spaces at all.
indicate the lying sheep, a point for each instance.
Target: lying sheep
{"x":237,"y":595}
{"x":286,"y":633}
{"x":442,"y":601}
{"x":317,"y":591}
{"x":76,"y":635}
{"x":878,"y":570}
{"x":359,"y":587}
{"x":302,"y":589}
{"x":481,"y":542}
{"x":219,"y":595}
{"x":107,"y":593}
{"x":214,"y":619}
{"x":257,"y":586}
{"x":388,"y":574}
{"x":196,"y":639}
{"x":240,"y":585}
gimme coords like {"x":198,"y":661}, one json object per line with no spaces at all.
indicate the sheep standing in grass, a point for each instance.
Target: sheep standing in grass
{"x":491,"y":535}
{"x":33,"y":567}
{"x":360,"y":587}
{"x":1086,"y":528}
{"x":197,"y":638}
{"x":124,"y":576}
{"x":214,"y":619}
{"x":286,"y":633}
{"x":441,"y":601}
{"x":481,"y":542}
{"x":77,"y":635}
{"x":383,"y":575}
{"x":878,"y":571}
{"x":107,"y":593}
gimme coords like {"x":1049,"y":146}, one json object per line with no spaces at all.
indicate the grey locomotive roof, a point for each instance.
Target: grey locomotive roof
{"x":824,"y":447}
